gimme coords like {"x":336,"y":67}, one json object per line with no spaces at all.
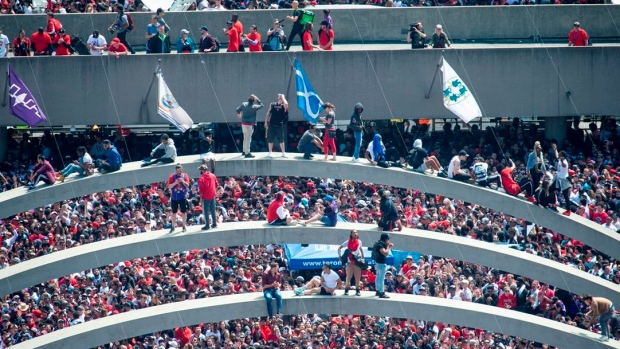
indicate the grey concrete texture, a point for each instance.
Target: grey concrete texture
{"x":391,"y":84}
{"x":364,"y":24}
{"x":102,"y":253}
{"x":582,"y":229}
{"x":192,"y":312}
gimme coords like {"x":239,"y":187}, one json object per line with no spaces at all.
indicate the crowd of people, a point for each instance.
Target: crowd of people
{"x":149,"y":281}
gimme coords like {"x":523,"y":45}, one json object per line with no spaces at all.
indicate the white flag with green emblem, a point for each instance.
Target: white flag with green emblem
{"x":456,"y":95}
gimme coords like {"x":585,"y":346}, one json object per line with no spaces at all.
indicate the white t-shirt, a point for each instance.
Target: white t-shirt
{"x":562,"y":169}
{"x":86,"y":159}
{"x":4,"y":45}
{"x":99,"y":41}
{"x":369,"y":149}
{"x":331,"y":279}
{"x":451,"y":166}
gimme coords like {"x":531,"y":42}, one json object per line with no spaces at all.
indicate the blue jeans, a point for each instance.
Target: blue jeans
{"x":602,"y":320}
{"x":208,"y":208}
{"x":380,"y":280}
{"x":270,"y":294}
{"x":358,"y":144}
{"x":72,"y":168}
{"x":308,"y":149}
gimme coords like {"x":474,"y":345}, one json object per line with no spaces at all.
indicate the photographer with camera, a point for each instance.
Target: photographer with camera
{"x":121,"y":26}
{"x":21,"y":44}
{"x":247,"y":113}
{"x":275,"y":37}
{"x":416,"y":35}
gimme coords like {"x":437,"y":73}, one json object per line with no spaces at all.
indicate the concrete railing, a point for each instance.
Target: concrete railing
{"x":102,"y":253}
{"x":192,"y":312}
{"x":584,"y":230}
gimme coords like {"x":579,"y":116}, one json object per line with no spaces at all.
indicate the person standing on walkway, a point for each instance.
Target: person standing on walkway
{"x":207,"y":187}
{"x":271,"y":288}
{"x":329,"y":137}
{"x":298,"y":28}
{"x":536,"y":165}
{"x":578,"y":36}
{"x":121,"y":25}
{"x":357,"y":125}
{"x":355,"y":251}
{"x":178,"y":183}
{"x":380,"y":251}
{"x":602,"y":309}
{"x":247,"y":113}
{"x":275,"y":123}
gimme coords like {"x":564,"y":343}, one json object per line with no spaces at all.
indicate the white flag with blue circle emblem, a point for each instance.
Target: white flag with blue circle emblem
{"x":168,"y":107}
{"x":307,"y":100}
{"x":457,"y":97}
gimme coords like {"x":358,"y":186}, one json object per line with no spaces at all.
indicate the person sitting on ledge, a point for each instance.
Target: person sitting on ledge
{"x":327,"y":214}
{"x":83,"y":165}
{"x":325,"y":286}
{"x":42,"y":171}
{"x":165,"y":152}
{"x":277,"y":214}
{"x":113,"y":161}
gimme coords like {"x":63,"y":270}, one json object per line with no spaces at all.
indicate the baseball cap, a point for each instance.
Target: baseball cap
{"x":204,"y":28}
{"x":184,"y":31}
{"x":385,"y":236}
{"x":463,"y":153}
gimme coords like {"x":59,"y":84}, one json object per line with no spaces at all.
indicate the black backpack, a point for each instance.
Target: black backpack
{"x":217,"y":44}
{"x":375,"y":251}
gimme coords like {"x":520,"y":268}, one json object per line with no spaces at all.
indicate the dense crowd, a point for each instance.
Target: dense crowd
{"x":154,"y":280}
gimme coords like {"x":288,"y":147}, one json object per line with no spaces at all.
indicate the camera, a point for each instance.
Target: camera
{"x":113,"y":29}
{"x":413,"y":26}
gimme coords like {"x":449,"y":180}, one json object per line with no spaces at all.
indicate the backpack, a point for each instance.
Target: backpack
{"x":306,"y":16}
{"x":129,"y":21}
{"x":217,"y":44}
{"x":375,"y":251}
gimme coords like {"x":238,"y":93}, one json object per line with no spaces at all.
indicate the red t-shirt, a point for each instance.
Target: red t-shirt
{"x":510,"y":186}
{"x":233,"y":40}
{"x":578,"y":37}
{"x":307,"y":37}
{"x":324,"y":37}
{"x":40,"y":42}
{"x":255,"y":37}
{"x":16,"y":43}
{"x":62,"y":50}
{"x":53,"y":26}
{"x":120,"y":48}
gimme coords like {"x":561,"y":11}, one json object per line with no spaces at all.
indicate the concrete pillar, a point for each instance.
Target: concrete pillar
{"x":556,"y":127}
{"x":4,"y":142}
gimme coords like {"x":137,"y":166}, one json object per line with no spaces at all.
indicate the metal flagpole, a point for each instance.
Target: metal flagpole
{"x":428,"y":94}
{"x":148,"y":92}
{"x":288,"y":90}
{"x":6,"y":86}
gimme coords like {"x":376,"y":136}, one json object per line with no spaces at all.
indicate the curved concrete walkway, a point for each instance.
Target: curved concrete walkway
{"x":102,"y":253}
{"x":586,"y":231}
{"x":189,"y":313}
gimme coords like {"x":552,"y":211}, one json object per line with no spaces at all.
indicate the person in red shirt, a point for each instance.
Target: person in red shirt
{"x":510,"y":186}
{"x":507,"y":300}
{"x":326,"y":37}
{"x":21,"y":44}
{"x":117,"y":48}
{"x":53,"y":25}
{"x":62,"y":42}
{"x":253,"y":39}
{"x":307,"y":41}
{"x":239,"y":26}
{"x":577,"y":36}
{"x":207,"y":186}
{"x":233,"y":37}
{"x":41,"y":42}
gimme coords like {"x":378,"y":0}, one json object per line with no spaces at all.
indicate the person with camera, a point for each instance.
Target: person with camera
{"x":439,"y":38}
{"x":21,"y":45}
{"x":380,"y":251}
{"x":121,"y":26}
{"x":416,"y":35}
{"x":275,"y":37}
{"x":247,"y":113}
{"x":353,"y":253}
{"x":275,"y":121}
{"x":61,"y":43}
{"x":298,"y":28}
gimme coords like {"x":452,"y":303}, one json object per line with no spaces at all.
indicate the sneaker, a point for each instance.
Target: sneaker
{"x":346,"y":291}
{"x":358,"y":293}
{"x":284,"y":155}
{"x":299,"y":291}
{"x":384,"y":296}
{"x":294,"y":222}
{"x":206,"y":227}
{"x":311,"y":156}
{"x":32,"y":186}
{"x":171,"y":229}
{"x":249,"y":156}
{"x":604,"y":338}
{"x":530,"y":199}
{"x":377,"y":293}
{"x":303,"y":223}
{"x":270,"y":155}
{"x":147,"y":160}
{"x":242,"y":153}
{"x":566,"y":213}
{"x":213,"y":226}
{"x":184,"y":229}
{"x":61,"y":177}
{"x":308,"y":157}
{"x":356,"y":160}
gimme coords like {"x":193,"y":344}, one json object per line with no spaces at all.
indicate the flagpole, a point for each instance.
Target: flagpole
{"x":428,"y":94}
{"x":148,"y":92}
{"x":6,"y":86}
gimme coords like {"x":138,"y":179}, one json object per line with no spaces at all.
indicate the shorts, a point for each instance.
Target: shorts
{"x":324,"y":293}
{"x":422,"y":168}
{"x":176,"y":204}
{"x":207,"y":156}
{"x":325,"y":220}
{"x":278,"y":221}
{"x":274,"y":132}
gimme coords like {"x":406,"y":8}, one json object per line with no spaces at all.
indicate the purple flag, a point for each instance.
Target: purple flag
{"x":23,"y":104}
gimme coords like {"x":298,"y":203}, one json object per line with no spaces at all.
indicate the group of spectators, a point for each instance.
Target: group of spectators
{"x":154,"y":280}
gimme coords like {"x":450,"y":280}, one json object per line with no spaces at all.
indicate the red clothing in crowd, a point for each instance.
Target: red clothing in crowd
{"x":53,"y":26}
{"x":510,"y":186}
{"x":307,"y":37}
{"x":118,"y":48}
{"x":578,"y":37}
{"x":61,"y":49}
{"x":233,"y":40}
{"x":16,"y":43}
{"x":602,"y":215}
{"x":207,"y":186}
{"x":41,"y":42}
{"x":274,"y":206}
{"x":353,"y":245}
{"x":183,"y":335}
{"x":45,"y":169}
{"x":324,"y":37}
{"x":255,"y":37}
{"x":507,"y":301}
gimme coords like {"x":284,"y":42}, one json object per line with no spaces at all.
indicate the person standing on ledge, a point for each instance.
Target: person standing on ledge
{"x":298,"y":28}
{"x":380,"y":251}
{"x":602,"y":309}
{"x":247,"y":113}
{"x":275,"y":122}
{"x":207,"y":187}
{"x":178,"y":183}
{"x":271,"y":288}
{"x":578,"y":36}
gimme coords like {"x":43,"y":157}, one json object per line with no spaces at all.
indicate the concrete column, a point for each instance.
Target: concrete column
{"x":4,"y":142}
{"x":556,"y":127}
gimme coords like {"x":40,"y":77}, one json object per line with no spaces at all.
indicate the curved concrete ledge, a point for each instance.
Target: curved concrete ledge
{"x":193,"y":312}
{"x":98,"y":254}
{"x":590,"y":233}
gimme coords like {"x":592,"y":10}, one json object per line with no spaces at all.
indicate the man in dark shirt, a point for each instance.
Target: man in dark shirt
{"x":271,"y":288}
{"x":206,"y":44}
{"x":308,"y":142}
{"x":207,"y":150}
{"x":277,"y":116}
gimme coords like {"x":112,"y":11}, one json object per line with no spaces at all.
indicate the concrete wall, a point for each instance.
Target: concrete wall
{"x":391,"y":84}
{"x":188,"y":313}
{"x":103,"y":253}
{"x":368,"y":25}
{"x":584,"y":230}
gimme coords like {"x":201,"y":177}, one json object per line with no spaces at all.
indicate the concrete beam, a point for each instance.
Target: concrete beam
{"x":192,"y":312}
{"x":197,"y":80}
{"x":584,"y":230}
{"x":130,"y":247}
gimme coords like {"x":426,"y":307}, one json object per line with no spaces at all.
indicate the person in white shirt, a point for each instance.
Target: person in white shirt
{"x":465,"y":293}
{"x":330,"y":282}
{"x":83,"y":165}
{"x":452,"y":294}
{"x":4,"y":44}
{"x":561,"y":181}
{"x":454,"y":169}
{"x":96,"y":44}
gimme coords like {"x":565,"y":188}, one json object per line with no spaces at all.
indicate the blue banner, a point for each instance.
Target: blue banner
{"x":307,"y":100}
{"x":312,"y":257}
